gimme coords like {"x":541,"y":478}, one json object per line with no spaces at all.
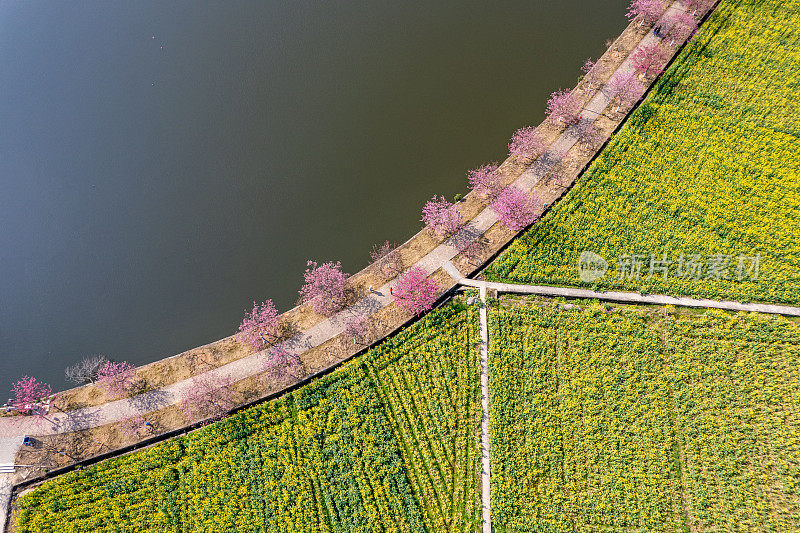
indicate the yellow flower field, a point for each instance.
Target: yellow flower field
{"x":387,"y":443}
{"x":639,"y":421}
{"x":706,"y":171}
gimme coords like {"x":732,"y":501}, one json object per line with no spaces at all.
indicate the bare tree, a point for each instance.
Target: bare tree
{"x":135,"y":426}
{"x":475,"y":250}
{"x":387,"y":259}
{"x":85,"y":370}
{"x":590,"y":134}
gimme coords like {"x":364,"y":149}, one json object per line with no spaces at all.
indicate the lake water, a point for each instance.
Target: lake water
{"x":163,"y":164}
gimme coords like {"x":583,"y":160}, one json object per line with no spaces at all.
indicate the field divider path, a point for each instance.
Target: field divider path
{"x":634,"y":297}
{"x":13,"y":428}
{"x":486,"y":505}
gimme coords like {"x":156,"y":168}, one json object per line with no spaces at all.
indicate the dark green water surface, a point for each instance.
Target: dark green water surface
{"x":162,"y":164}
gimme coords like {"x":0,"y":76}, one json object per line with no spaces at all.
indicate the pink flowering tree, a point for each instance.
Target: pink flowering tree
{"x":699,"y":5}
{"x":442,"y":217}
{"x":259,"y":326}
{"x":563,"y":107}
{"x":324,"y":287}
{"x":415,"y":292}
{"x":526,"y":143}
{"x":208,"y":398}
{"x":624,"y":88}
{"x":134,"y":425}
{"x":682,"y":26}
{"x":648,"y":61}
{"x":357,"y":329}
{"x":589,"y":134}
{"x":485,"y":180}
{"x":515,"y":208}
{"x":27,"y":393}
{"x":280,"y":361}
{"x":648,"y":11}
{"x":119,"y":379}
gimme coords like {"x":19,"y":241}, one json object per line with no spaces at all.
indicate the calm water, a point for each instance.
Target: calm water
{"x":162,"y":164}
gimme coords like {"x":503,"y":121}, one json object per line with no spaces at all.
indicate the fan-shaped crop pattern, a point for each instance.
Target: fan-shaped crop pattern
{"x":386,"y":443}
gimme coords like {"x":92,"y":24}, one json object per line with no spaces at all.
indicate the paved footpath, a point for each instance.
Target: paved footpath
{"x":324,"y":330}
{"x":13,"y":428}
{"x":634,"y":297}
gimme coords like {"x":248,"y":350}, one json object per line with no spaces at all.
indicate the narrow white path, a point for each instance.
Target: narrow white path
{"x":486,"y":505}
{"x":634,"y":297}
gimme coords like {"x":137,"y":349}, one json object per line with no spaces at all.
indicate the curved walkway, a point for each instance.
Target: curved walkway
{"x":12,"y":428}
{"x":330,"y":327}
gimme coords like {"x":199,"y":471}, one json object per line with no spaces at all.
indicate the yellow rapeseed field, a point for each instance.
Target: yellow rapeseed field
{"x":639,"y":421}
{"x":703,"y":181}
{"x":387,"y":443}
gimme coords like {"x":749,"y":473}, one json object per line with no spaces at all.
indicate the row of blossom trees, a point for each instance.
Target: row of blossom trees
{"x":325,"y":284}
{"x":29,"y":395}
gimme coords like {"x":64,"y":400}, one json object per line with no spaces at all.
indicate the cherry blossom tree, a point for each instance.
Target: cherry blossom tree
{"x":387,"y":259}
{"x":119,"y":379}
{"x":134,"y":425}
{"x":589,"y":134}
{"x":415,"y":292}
{"x":27,"y":393}
{"x":259,"y":325}
{"x":324,"y":287}
{"x":526,"y":143}
{"x":588,"y":65}
{"x":648,"y":61}
{"x":563,"y":107}
{"x":485,"y":180}
{"x":515,"y":208}
{"x":208,"y":398}
{"x":648,"y":11}
{"x":625,"y":88}
{"x":441,"y":216}
{"x":358,"y":329}
{"x":279,"y":361}
{"x":682,"y":26}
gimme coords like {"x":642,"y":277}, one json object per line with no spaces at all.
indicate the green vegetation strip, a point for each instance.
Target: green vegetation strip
{"x":640,"y":421}
{"x":387,"y":443}
{"x":702,"y":179}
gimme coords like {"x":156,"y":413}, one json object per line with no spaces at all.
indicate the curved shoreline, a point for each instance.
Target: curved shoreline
{"x":434,"y":255}
{"x":483,"y":222}
{"x":421,"y":242}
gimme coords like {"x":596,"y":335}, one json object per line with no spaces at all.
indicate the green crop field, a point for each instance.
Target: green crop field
{"x":387,"y":443}
{"x":702,"y":182}
{"x":641,"y":421}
